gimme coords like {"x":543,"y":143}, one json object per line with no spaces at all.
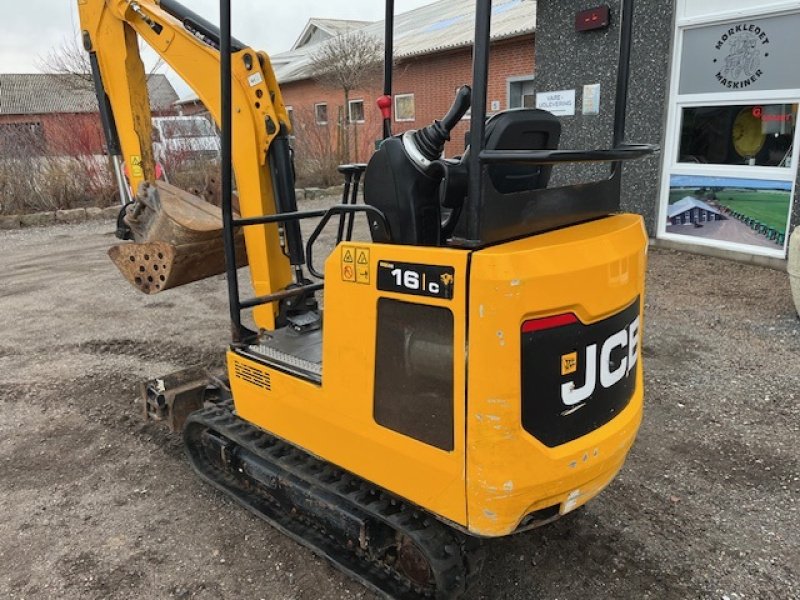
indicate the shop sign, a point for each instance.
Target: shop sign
{"x":560,"y":103}
{"x":743,"y":55}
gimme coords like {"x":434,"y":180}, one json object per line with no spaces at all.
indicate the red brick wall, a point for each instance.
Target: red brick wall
{"x":432,"y":79}
{"x":64,"y":134}
{"x":67,"y":134}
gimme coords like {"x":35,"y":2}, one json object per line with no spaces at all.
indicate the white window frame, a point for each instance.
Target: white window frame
{"x":517,"y":79}
{"x":414,"y":117}
{"x":316,"y":115}
{"x":350,"y":111}
{"x":672,"y":134}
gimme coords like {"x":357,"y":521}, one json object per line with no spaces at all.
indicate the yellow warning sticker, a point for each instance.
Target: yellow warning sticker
{"x":362,"y":265}
{"x":569,"y":363}
{"x":136,"y":166}
{"x":355,"y":264}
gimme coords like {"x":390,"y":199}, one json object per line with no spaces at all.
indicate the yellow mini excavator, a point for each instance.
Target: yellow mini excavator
{"x":478,"y":370}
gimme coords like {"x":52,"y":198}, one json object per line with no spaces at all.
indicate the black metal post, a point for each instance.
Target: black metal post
{"x":227,"y":161}
{"x":623,"y":71}
{"x":388,"y":61}
{"x":348,"y":179}
{"x":353,"y":200}
{"x":480,"y":77}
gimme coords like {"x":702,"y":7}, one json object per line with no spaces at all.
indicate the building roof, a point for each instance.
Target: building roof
{"x":436,"y":27}
{"x":687,"y":203}
{"x":44,"y":93}
{"x":317,"y":30}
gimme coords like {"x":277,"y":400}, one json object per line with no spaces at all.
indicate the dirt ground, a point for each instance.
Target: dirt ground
{"x":98,"y":504}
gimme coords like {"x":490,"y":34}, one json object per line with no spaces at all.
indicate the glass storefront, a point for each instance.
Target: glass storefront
{"x":730,"y":157}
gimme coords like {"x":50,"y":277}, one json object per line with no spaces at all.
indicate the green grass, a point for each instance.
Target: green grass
{"x":676,"y":194}
{"x":771,"y":207}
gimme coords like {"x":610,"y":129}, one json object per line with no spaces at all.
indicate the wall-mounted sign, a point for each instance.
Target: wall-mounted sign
{"x":745,"y":55}
{"x":591,"y":99}
{"x":560,"y":103}
{"x":593,"y":18}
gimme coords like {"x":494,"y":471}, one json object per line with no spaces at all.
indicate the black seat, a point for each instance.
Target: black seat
{"x":521,"y":129}
{"x":410,"y":195}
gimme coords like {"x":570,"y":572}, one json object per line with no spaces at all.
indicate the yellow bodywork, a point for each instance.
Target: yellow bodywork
{"x":496,"y":473}
{"x":594,"y":270}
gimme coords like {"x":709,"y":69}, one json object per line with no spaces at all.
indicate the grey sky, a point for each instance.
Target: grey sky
{"x":30,"y":28}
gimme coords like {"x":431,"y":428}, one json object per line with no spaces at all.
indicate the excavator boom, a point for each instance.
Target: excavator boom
{"x":176,"y":237}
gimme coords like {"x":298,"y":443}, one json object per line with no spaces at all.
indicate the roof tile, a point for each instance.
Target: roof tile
{"x":42,"y":93}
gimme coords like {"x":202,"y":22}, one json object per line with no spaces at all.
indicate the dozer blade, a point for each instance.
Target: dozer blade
{"x":177,"y":239}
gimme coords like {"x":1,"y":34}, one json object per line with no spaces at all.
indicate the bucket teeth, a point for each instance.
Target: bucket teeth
{"x":177,"y":240}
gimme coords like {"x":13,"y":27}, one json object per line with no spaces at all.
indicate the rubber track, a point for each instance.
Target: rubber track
{"x":454,"y":557}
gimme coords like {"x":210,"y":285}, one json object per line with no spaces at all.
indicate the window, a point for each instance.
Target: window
{"x":731,"y":136}
{"x":22,"y":139}
{"x":521,"y":93}
{"x":186,"y":127}
{"x":756,"y":135}
{"x":356,"y":111}
{"x":404,"y":108}
{"x":321,"y":113}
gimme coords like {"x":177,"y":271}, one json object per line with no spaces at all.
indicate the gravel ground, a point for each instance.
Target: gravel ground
{"x":97,"y":503}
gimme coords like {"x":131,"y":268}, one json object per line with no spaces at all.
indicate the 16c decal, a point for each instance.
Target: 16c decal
{"x":416,"y":279}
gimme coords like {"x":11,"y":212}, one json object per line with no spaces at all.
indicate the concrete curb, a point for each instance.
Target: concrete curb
{"x":93,"y":213}
{"x":58,"y":217}
{"x":312,"y":193}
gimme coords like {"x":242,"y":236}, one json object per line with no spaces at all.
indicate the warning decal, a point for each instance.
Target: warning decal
{"x":355,"y":265}
{"x":362,"y":265}
{"x":136,"y":166}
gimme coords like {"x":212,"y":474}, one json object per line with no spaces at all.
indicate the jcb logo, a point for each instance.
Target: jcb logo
{"x":609,"y":374}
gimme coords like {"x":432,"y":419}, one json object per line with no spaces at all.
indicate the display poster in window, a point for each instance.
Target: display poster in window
{"x":741,"y":55}
{"x":748,"y":212}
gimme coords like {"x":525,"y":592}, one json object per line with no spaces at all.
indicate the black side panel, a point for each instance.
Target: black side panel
{"x":414,"y":371}
{"x":576,"y":377}
{"x":508,"y":216}
{"x":407,"y":197}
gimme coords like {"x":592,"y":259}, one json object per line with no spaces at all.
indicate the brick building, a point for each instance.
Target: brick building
{"x":45,"y":114}
{"x":433,"y":53}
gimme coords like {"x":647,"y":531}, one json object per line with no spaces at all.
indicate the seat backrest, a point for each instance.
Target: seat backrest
{"x":521,"y":129}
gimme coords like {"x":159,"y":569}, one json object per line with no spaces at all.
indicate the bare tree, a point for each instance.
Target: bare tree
{"x":348,"y":62}
{"x":70,"y":60}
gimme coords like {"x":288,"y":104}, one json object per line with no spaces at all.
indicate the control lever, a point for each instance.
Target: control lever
{"x":404,"y":177}
{"x":431,"y":140}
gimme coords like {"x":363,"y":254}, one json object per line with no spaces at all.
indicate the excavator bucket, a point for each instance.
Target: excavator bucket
{"x":177,"y":239}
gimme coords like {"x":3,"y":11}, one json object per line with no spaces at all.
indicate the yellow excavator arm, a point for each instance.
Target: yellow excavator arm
{"x":176,"y":238}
